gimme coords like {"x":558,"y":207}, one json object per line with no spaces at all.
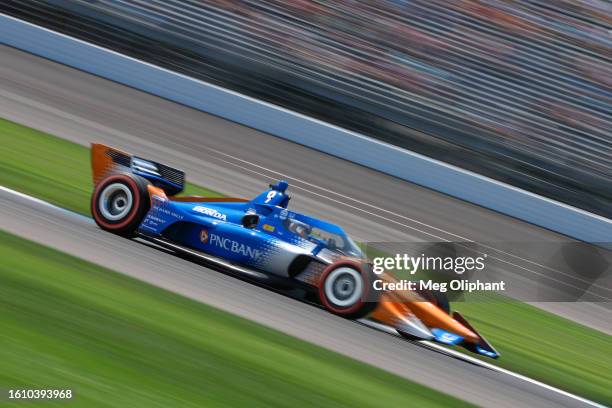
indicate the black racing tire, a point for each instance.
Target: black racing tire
{"x":345,"y":289}
{"x":119,"y":203}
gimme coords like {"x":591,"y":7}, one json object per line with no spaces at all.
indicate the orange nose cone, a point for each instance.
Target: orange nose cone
{"x":392,"y":309}
{"x":389,"y":311}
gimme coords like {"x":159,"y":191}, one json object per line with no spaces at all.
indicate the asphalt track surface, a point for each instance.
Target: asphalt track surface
{"x":238,"y":161}
{"x":69,"y":232}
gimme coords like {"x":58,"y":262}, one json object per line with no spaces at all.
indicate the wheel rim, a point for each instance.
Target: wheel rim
{"x":344,"y":287}
{"x":115,"y":201}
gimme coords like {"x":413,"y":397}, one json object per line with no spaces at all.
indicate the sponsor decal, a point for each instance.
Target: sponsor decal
{"x":211,"y":212}
{"x":283,"y":215}
{"x":145,"y":166}
{"x":204,"y":236}
{"x":163,"y":210}
{"x":234,"y":246}
{"x":268,"y":227}
{"x":445,"y":337}
{"x":486,"y":352}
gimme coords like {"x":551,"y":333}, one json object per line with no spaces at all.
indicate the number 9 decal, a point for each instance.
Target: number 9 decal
{"x":270,"y":196}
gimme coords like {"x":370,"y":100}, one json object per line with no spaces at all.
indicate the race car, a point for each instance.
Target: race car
{"x":261,"y":239}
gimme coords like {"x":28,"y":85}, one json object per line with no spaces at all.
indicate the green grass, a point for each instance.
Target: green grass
{"x":544,"y":346}
{"x":536,"y":343}
{"x":51,"y":168}
{"x":119,"y":342}
{"x":532,"y":342}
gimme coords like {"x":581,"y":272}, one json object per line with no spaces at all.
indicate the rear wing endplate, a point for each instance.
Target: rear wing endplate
{"x":106,"y":160}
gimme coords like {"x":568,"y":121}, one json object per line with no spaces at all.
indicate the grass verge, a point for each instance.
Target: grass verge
{"x":533,"y":342}
{"x":544,"y":346}
{"x":116,"y":341}
{"x":51,"y":168}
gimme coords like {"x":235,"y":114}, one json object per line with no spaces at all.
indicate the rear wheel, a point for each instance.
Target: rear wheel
{"x":120,"y":202}
{"x":345,"y":289}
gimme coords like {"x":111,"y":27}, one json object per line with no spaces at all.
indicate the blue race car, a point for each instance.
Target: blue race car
{"x":262,"y":240}
{"x":259,"y":238}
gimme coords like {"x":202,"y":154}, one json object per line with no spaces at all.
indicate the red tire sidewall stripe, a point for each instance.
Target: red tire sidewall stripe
{"x":136,"y":203}
{"x":323,"y":297}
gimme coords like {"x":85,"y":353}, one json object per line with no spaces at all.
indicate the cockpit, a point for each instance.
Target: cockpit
{"x":333,"y":239}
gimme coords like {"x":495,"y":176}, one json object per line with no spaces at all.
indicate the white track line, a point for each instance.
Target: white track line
{"x":374,"y":325}
{"x":45,"y":203}
{"x":484,"y":364}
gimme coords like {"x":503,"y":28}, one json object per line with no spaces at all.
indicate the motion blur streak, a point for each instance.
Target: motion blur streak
{"x":83,"y":108}
{"x":515,"y":90}
{"x":62,"y":230}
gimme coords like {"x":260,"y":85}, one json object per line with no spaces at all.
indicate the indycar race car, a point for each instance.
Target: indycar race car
{"x":262,"y":239}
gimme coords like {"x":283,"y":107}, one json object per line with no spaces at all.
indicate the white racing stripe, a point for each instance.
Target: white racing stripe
{"x":372,"y":324}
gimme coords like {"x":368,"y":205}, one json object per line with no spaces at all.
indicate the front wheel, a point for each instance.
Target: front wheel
{"x":120,"y":202}
{"x":345,"y":289}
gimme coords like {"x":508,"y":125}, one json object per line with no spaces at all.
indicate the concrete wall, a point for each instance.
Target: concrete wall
{"x":298,"y":128}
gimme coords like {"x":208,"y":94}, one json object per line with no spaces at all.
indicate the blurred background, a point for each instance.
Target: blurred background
{"x":519,"y":91}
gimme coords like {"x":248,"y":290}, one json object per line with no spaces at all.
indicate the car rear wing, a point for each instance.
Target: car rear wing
{"x":106,"y":160}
